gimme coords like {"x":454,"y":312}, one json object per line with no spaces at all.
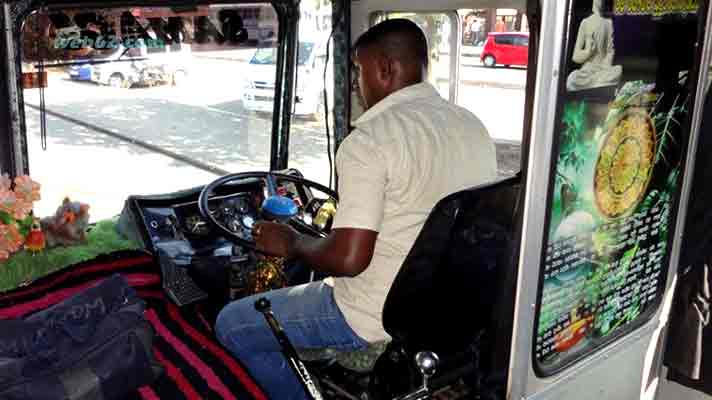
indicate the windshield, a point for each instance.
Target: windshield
{"x":268,"y":55}
{"x":170,"y":114}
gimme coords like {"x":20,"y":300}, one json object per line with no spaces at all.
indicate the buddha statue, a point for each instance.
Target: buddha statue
{"x":594,"y":51}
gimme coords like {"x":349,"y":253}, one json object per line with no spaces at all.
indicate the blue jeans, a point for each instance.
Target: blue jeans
{"x":310,"y":318}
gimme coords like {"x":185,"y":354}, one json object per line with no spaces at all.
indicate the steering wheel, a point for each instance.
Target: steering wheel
{"x":270,"y":179}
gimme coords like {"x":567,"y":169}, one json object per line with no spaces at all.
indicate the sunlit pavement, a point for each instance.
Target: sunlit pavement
{"x":203,"y":120}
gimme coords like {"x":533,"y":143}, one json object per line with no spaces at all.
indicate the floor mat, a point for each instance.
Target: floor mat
{"x":196,"y":366}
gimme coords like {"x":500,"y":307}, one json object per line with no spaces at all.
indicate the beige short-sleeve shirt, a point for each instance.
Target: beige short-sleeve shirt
{"x":405,"y":154}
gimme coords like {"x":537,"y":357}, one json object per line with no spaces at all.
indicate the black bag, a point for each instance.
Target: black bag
{"x":94,"y":345}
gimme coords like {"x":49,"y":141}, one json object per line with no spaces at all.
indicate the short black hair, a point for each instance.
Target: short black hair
{"x":399,"y":38}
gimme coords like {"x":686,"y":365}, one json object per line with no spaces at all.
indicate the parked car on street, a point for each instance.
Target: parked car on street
{"x":144,"y":66}
{"x":506,"y":48}
{"x":258,"y":94}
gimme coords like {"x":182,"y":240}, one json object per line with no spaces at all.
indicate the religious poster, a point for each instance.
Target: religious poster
{"x":622,"y":129}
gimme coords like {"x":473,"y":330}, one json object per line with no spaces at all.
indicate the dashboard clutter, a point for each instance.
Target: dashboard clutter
{"x":96,"y":344}
{"x":267,"y":275}
{"x":19,"y":228}
{"x":68,"y":226}
{"x":35,"y":240}
{"x":325,"y":216}
{"x":179,"y":251}
{"x":279,"y":208}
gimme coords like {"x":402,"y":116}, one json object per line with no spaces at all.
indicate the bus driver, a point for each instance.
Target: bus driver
{"x":408,"y":150}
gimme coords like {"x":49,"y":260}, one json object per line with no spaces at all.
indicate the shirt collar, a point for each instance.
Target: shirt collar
{"x":408,"y":93}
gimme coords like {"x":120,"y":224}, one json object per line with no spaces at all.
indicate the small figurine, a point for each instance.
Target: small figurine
{"x":35,"y":240}
{"x":595,"y":52}
{"x":68,"y":225}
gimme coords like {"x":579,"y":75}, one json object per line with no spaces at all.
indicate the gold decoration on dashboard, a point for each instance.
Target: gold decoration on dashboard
{"x":325,"y":214}
{"x":267,"y":275}
{"x":625,"y":164}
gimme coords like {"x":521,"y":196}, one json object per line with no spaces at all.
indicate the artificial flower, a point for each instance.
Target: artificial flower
{"x":22,"y":209}
{"x":5,"y":182}
{"x":26,"y":189}
{"x":8,"y":201}
{"x":10,"y":238}
{"x":16,"y":202}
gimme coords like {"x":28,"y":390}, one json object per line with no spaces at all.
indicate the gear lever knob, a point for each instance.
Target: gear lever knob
{"x":263,"y":305}
{"x":427,"y":363}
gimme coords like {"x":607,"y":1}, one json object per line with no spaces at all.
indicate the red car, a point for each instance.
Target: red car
{"x":506,"y":48}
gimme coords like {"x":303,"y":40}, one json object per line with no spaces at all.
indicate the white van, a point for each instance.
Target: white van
{"x":258,"y":93}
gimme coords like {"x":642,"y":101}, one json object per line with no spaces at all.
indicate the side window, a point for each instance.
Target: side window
{"x":438,"y":29}
{"x":521,"y":41}
{"x":504,"y":39}
{"x":492,"y":86}
{"x":493,"y":89}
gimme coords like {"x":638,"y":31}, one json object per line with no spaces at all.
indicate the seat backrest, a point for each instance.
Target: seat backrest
{"x":452,"y":283}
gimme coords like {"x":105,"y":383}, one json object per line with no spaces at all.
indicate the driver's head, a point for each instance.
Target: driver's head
{"x":389,"y":57}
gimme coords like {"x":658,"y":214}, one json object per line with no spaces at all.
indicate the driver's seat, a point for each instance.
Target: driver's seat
{"x":454,"y":295}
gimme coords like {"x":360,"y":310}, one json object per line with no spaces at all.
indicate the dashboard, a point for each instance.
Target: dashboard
{"x":172,"y":228}
{"x":167,"y":218}
{"x":183,"y":221}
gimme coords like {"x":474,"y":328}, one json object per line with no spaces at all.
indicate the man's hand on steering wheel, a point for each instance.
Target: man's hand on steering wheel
{"x":275,"y":239}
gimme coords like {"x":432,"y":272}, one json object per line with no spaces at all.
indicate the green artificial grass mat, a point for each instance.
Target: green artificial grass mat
{"x":24,"y":267}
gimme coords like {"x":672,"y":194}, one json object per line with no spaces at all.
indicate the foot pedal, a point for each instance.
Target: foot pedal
{"x":178,"y":285}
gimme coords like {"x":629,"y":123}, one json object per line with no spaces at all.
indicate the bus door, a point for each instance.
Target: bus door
{"x":615,"y":117}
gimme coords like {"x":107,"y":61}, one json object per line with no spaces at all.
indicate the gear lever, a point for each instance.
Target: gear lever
{"x":427,"y":363}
